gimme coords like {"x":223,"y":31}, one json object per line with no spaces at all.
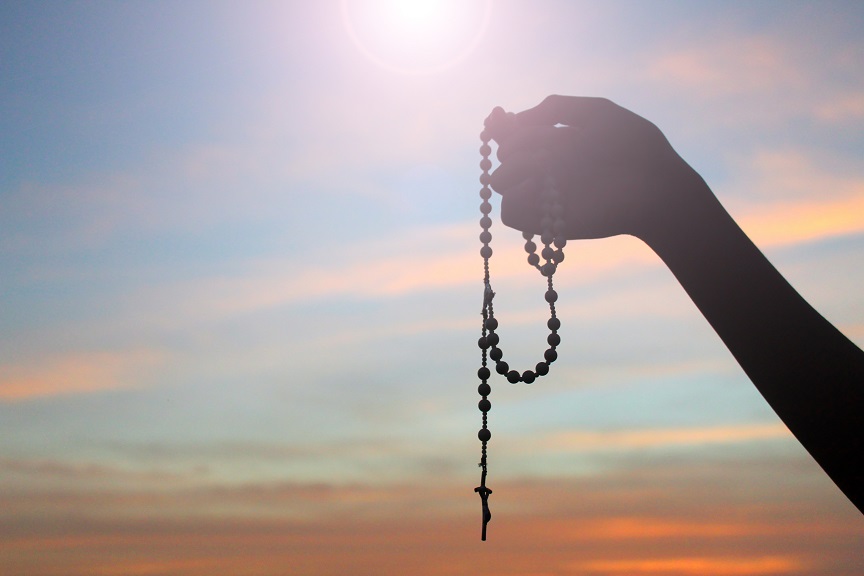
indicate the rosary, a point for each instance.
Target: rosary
{"x":552,"y":238}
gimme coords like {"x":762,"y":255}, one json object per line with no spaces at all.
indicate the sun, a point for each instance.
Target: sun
{"x":416,"y":36}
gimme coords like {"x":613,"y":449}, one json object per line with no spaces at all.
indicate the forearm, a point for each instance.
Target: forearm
{"x":809,"y":372}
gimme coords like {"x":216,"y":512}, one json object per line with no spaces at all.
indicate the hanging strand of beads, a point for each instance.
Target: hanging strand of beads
{"x":551,"y":226}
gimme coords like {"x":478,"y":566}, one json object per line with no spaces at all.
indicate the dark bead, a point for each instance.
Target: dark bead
{"x":485,"y":193}
{"x":496,"y":354}
{"x":485,"y":237}
{"x":551,"y":296}
{"x":533,"y":259}
{"x":484,"y":435}
{"x":528,"y":376}
{"x":492,"y":339}
{"x":513,"y":377}
{"x":560,"y":242}
{"x":558,"y":256}
{"x":547,"y":253}
{"x":542,"y":368}
{"x":485,"y":164}
{"x":553,"y":340}
{"x":553,"y":324}
{"x":485,"y":207}
{"x":491,"y":324}
{"x":483,"y":373}
{"x":484,"y":405}
{"x":484,"y":179}
{"x":483,"y":342}
{"x":486,"y":251}
{"x":548,"y":269}
{"x":530,"y":247}
{"x":485,"y":136}
{"x":546,"y":238}
{"x":550,"y":355}
{"x":485,"y":150}
{"x":484,"y":389}
{"x":485,"y":222}
{"x":527,"y":235}
{"x":502,"y":367}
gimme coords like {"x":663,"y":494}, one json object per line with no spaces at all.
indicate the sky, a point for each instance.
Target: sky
{"x":240,"y":291}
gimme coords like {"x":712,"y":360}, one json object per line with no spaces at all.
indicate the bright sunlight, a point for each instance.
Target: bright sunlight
{"x":417,"y":36}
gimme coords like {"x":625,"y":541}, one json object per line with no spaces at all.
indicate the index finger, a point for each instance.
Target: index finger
{"x":566,"y":110}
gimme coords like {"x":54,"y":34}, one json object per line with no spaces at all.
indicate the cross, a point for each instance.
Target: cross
{"x":484,"y":497}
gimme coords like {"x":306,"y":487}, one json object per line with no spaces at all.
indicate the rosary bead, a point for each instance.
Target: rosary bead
{"x":491,"y":324}
{"x":485,"y":179}
{"x":527,"y":235}
{"x":547,"y":253}
{"x":553,"y":324}
{"x":483,"y":342}
{"x":492,"y":339}
{"x":546,"y":238}
{"x":485,"y":207}
{"x":485,"y":237}
{"x":486,"y":251}
{"x":553,"y":340}
{"x":528,"y":376}
{"x":551,"y":296}
{"x":558,"y":256}
{"x":496,"y":354}
{"x":485,"y":164}
{"x":560,"y":242}
{"x":542,"y":368}
{"x":533,"y":259}
{"x":486,"y":222}
{"x":484,"y":434}
{"x":548,"y":269}
{"x":513,"y":377}
{"x":483,"y":373}
{"x":484,"y":389}
{"x":550,"y":355}
{"x":485,"y":136}
{"x":502,"y":367}
{"x":484,"y":405}
{"x":530,"y":247}
{"x":485,"y":193}
{"x":485,"y":149}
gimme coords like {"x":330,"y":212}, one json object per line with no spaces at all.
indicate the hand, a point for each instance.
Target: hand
{"x":616,"y":172}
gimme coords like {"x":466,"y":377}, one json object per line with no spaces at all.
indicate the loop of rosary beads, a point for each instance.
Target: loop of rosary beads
{"x":552,"y":227}
{"x":551,"y":257}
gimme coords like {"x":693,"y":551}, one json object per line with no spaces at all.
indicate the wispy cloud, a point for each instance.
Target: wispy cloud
{"x":589,"y":441}
{"x":75,"y":373}
{"x":682,"y":566}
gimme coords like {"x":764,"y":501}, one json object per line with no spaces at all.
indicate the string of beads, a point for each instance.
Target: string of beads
{"x":552,"y":254}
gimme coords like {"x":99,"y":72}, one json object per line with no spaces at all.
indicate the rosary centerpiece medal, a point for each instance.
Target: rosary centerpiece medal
{"x":553,"y":241}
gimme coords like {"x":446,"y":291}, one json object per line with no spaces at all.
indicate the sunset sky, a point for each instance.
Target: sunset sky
{"x":240,"y":291}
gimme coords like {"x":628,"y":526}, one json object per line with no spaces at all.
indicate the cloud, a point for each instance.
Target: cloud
{"x":589,"y":441}
{"x":731,"y":65}
{"x":75,"y":373}
{"x":695,"y":566}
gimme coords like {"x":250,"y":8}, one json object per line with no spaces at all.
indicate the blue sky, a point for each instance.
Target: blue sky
{"x":240,"y":289}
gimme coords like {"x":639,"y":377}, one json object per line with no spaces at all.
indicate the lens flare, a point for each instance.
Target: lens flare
{"x":416,"y":36}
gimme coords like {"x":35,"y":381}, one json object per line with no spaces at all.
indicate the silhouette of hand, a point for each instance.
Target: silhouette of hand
{"x":616,"y":172}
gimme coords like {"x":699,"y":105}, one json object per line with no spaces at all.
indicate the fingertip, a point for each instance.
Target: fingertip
{"x":499,"y":123}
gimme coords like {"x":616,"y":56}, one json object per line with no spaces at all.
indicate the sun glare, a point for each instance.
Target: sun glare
{"x":416,"y":36}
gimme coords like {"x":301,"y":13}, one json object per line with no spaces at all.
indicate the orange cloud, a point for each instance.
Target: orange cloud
{"x":580,"y":441}
{"x":695,"y":566}
{"x":73,"y":374}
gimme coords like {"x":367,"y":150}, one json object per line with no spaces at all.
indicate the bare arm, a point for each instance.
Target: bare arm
{"x":621,"y":176}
